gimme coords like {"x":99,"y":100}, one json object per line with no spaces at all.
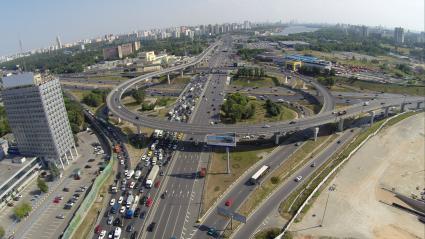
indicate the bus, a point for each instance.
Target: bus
{"x":259,"y":174}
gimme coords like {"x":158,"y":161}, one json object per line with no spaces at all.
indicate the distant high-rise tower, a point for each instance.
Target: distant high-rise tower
{"x":37,"y":116}
{"x":399,"y":35}
{"x":59,"y":43}
{"x":365,"y":31}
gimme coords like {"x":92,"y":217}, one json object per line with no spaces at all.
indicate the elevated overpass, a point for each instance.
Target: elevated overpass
{"x":325,"y":116}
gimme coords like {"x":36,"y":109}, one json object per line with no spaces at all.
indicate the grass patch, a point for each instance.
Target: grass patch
{"x":387,"y":88}
{"x":268,"y":233}
{"x":218,"y":180}
{"x":260,"y":115}
{"x":266,"y":81}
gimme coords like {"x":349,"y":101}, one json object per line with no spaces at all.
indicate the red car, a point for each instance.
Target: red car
{"x":229,"y":202}
{"x":149,"y":202}
{"x":157,"y":183}
{"x":97,"y":229}
{"x":57,"y":199}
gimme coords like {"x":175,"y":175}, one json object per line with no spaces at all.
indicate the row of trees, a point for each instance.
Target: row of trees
{"x":249,"y":54}
{"x":272,"y":108}
{"x":250,"y":72}
{"x":4,"y":124}
{"x":179,"y":47}
{"x":236,"y":108}
{"x":75,"y":115}
{"x":95,"y":97}
{"x":328,"y":81}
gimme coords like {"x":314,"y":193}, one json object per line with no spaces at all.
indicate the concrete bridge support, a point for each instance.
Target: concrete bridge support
{"x":387,"y":110}
{"x":316,"y":133}
{"x":286,"y":79}
{"x":119,"y":120}
{"x":403,"y":107}
{"x":276,"y":138}
{"x":181,"y":72}
{"x":341,"y":125}
{"x":372,"y":117}
{"x":418,"y":105}
{"x":168,"y":79}
{"x":139,"y":129}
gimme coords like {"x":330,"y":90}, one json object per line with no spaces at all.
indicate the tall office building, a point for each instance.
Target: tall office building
{"x":37,"y":116}
{"x":58,"y":41}
{"x":399,"y":35}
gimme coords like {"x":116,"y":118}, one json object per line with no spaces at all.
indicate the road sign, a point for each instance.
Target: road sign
{"x":223,"y":211}
{"x":232,"y":215}
{"x":228,"y":139}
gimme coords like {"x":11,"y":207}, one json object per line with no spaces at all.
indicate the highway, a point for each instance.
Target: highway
{"x":180,"y":208}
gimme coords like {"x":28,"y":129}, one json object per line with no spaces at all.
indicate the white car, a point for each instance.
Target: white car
{"x":102,"y":234}
{"x":120,"y":199}
{"x":122,"y":162}
{"x":112,"y":202}
{"x":122,"y":210}
{"x":297,"y":179}
{"x":125,"y":172}
{"x":147,"y":164}
{"x":144,"y":157}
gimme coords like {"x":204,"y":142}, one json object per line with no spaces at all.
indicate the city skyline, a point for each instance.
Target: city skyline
{"x":38,"y":30}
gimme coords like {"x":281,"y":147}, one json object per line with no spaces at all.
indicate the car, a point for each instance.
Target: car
{"x":102,"y":234}
{"x":110,"y":220}
{"x":136,"y":212}
{"x":97,"y":229}
{"x":117,"y":222}
{"x":298,"y":178}
{"x":120,"y":199}
{"x":297,"y":144}
{"x":266,"y":126}
{"x":151,"y":227}
{"x":112,"y":202}
{"x":66,"y":189}
{"x":292,"y":122}
{"x":313,"y":165}
{"x":132,"y":184}
{"x":161,"y":173}
{"x":125,"y":172}
{"x":91,"y":160}
{"x":130,"y":227}
{"x":212,"y":232}
{"x":149,"y":202}
{"x":228,"y":202}
{"x":338,"y":142}
{"x":60,"y":216}
{"x":133,"y":235}
{"x":122,"y":209}
{"x":122,"y":162}
{"x":142,"y":215}
{"x":87,"y":166}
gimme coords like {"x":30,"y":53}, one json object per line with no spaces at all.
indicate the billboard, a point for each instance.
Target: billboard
{"x":228,"y":140}
{"x":233,"y":215}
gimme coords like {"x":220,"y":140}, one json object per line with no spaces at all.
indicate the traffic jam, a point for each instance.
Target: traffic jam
{"x":134,"y":189}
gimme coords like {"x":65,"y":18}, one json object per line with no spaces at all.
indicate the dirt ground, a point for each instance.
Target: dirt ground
{"x":392,"y":159}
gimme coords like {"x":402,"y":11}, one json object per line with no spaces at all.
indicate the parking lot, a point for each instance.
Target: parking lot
{"x":49,"y":211}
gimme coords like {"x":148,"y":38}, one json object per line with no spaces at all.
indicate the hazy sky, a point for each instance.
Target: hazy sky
{"x":38,"y":22}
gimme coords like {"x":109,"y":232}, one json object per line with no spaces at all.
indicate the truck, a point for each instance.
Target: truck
{"x":137,"y":174}
{"x":202,"y":172}
{"x":151,"y":176}
{"x":130,"y":212}
{"x":115,"y":208}
{"x":130,"y":174}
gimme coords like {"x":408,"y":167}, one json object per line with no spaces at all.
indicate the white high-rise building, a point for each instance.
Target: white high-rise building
{"x":399,"y":35}
{"x":58,"y":42}
{"x":37,"y":116}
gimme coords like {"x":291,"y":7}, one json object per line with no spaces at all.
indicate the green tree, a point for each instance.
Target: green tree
{"x":138,"y":95}
{"x":272,"y":108}
{"x":22,"y":210}
{"x":92,"y":99}
{"x":54,"y":171}
{"x":42,"y":185}
{"x":274,"y":180}
{"x":4,"y":124}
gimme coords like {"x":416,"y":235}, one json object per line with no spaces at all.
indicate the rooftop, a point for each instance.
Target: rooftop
{"x":25,"y":79}
{"x":8,"y":168}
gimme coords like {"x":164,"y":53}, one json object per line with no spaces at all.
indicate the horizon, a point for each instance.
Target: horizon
{"x":85,"y":20}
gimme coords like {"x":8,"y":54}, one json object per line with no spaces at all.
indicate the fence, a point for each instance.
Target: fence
{"x":88,"y":200}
